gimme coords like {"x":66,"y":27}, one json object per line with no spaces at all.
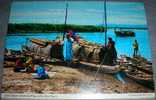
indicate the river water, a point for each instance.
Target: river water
{"x":123,"y":44}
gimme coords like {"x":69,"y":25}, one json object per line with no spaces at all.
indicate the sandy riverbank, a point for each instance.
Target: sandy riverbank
{"x":68,"y":80}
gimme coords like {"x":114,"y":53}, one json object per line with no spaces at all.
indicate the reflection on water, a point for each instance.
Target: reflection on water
{"x":123,"y":45}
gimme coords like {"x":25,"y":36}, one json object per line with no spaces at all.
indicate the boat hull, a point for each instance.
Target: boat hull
{"x":84,"y":51}
{"x":124,"y":33}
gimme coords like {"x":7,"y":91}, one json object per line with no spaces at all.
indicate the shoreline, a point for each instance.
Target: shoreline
{"x":51,"y":28}
{"x":37,"y":33}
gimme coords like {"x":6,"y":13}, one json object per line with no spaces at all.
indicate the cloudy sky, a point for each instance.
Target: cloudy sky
{"x":79,"y":12}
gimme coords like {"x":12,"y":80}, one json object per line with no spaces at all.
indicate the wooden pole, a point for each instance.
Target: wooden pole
{"x":105,"y":21}
{"x":65,"y":23}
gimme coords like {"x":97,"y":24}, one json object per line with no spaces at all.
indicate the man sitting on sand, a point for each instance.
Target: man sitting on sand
{"x":40,"y":72}
{"x":19,"y":66}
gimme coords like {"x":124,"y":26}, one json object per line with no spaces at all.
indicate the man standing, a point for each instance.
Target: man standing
{"x":67,"y":49}
{"x":110,"y":55}
{"x":136,"y":48}
{"x":111,"y":45}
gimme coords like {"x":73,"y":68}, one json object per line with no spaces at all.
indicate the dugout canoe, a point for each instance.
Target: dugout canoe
{"x":103,"y":68}
{"x":140,"y":63}
{"x":142,"y":78}
{"x":138,"y":69}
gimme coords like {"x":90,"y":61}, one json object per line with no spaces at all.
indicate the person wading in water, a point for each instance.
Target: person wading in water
{"x":136,"y":48}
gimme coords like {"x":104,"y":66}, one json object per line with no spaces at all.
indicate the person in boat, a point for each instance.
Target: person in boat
{"x":135,"y":48}
{"x":29,"y":65}
{"x":74,"y":35}
{"x":112,"y":46}
{"x":102,"y":53}
{"x":70,"y":33}
{"x":81,"y":53}
{"x":111,"y":54}
{"x":67,"y":49}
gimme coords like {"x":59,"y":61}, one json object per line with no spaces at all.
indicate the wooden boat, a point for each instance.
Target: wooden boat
{"x":39,"y":42}
{"x":8,"y":64}
{"x":12,"y":58}
{"x":44,"y":43}
{"x":12,"y":55}
{"x":103,"y":68}
{"x":136,"y":69}
{"x":142,"y":78}
{"x":83,"y":65}
{"x":53,"y":49}
{"x":141,"y":64}
{"x":124,"y":33}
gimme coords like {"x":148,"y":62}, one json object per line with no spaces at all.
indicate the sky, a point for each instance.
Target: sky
{"x":79,"y":12}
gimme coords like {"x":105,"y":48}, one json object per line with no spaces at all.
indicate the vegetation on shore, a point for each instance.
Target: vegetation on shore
{"x":48,"y":28}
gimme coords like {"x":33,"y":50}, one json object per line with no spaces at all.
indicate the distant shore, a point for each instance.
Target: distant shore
{"x":49,"y":28}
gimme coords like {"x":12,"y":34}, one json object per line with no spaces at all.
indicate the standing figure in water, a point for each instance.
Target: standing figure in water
{"x":136,"y":48}
{"x":67,"y":49}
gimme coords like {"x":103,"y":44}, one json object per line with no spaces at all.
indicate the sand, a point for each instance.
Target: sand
{"x":68,"y":80}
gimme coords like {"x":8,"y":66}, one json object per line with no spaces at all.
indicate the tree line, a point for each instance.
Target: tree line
{"x":48,"y":28}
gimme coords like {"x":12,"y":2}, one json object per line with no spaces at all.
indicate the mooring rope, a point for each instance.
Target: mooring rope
{"x":105,"y":31}
{"x":105,"y":22}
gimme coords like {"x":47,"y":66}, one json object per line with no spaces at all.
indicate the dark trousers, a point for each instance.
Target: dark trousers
{"x":135,"y":53}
